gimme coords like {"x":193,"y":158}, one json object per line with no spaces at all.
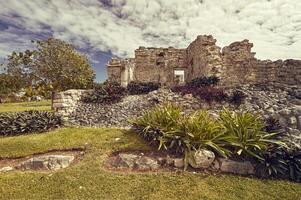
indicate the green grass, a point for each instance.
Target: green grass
{"x":16,"y":107}
{"x":88,"y":180}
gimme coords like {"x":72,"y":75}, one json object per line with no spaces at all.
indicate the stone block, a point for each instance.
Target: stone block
{"x":6,"y":169}
{"x":179,"y":162}
{"x":47,"y":162}
{"x":201,"y":158}
{"x":237,"y":167}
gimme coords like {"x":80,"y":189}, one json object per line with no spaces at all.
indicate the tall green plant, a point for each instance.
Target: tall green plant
{"x":168,"y":128}
{"x":244,"y":134}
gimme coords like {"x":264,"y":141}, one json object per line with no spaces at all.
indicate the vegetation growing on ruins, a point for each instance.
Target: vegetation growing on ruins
{"x":136,"y":87}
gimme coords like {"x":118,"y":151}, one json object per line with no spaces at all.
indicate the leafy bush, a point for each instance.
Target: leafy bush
{"x":28,"y":122}
{"x":135,"y":88}
{"x":281,"y":163}
{"x":203,"y":81}
{"x":166,"y":127}
{"x":209,"y":94}
{"x":105,"y":93}
{"x":272,"y":125}
{"x":233,"y":134}
{"x":237,"y":97}
{"x":245,"y":134}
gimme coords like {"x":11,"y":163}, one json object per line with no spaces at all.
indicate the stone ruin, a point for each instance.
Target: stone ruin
{"x":234,"y":65}
{"x":272,"y":88}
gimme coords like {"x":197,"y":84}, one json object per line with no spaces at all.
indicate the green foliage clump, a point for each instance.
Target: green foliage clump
{"x":237,"y":98}
{"x":233,"y":134}
{"x":135,"y":87}
{"x":245,"y":135}
{"x":281,"y":163}
{"x":106,"y":93}
{"x":204,"y":81}
{"x":28,"y":122}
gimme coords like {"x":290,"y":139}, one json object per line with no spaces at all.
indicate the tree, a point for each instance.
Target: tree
{"x":55,"y":64}
{"x":10,"y":84}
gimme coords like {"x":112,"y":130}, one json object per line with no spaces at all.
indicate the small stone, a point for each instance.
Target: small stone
{"x":282,"y":121}
{"x":299,"y":123}
{"x":169,"y":161}
{"x":297,"y":110}
{"x":201,"y":158}
{"x":179,"y":162}
{"x":47,"y":162}
{"x":146,"y":163}
{"x":127,"y":160}
{"x":236,"y":167}
{"x":285,"y":112}
{"x":6,"y":169}
{"x":215,"y":165}
{"x":292,"y":120}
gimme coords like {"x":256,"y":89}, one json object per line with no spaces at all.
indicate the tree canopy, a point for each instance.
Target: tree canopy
{"x":54,"y":63}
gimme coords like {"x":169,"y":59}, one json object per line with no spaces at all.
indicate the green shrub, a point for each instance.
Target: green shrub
{"x":166,"y":127}
{"x":135,"y":87}
{"x":245,"y":134}
{"x":281,"y":163}
{"x":233,"y":134}
{"x":106,"y":93}
{"x":203,"y":81}
{"x":27,"y":122}
{"x":209,"y":94}
{"x":237,"y":98}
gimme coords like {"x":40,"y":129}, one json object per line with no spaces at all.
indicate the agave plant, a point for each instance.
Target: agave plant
{"x":160,"y":127}
{"x":244,"y":134}
{"x":273,"y":164}
{"x":281,"y":163}
{"x":293,"y":160}
{"x":203,"y":132}
{"x":28,"y":122}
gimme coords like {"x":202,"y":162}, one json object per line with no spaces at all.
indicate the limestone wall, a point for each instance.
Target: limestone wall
{"x":203,"y":58}
{"x":66,"y":102}
{"x":158,"y":64}
{"x":236,"y":64}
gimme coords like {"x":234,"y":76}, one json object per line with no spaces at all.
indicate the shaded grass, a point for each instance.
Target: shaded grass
{"x":23,"y":106}
{"x":88,"y":180}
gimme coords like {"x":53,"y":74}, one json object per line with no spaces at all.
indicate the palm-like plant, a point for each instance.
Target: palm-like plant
{"x":244,"y":134}
{"x":203,"y":132}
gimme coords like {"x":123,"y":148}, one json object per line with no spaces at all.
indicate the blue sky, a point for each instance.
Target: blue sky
{"x":102,"y":28}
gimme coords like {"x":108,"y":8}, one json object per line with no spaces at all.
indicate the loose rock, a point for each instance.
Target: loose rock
{"x":201,"y":158}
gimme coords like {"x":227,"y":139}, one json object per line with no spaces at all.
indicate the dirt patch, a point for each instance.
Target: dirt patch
{"x":15,"y":162}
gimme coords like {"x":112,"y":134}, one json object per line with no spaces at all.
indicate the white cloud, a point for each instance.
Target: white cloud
{"x":121,"y":26}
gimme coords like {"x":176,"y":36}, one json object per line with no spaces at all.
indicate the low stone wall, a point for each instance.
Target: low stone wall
{"x":66,"y":102}
{"x":283,"y":104}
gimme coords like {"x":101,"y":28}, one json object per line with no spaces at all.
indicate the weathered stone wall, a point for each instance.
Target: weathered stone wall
{"x":241,"y":67}
{"x":121,"y":70}
{"x":66,"y":102}
{"x":235,"y":65}
{"x":158,"y":64}
{"x":270,"y":101}
{"x":203,"y":57}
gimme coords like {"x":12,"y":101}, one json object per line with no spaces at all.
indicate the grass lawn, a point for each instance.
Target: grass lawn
{"x":88,"y":180}
{"x":16,"y":107}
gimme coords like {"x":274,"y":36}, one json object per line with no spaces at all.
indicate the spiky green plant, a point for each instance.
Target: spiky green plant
{"x":168,"y":128}
{"x":203,"y":132}
{"x":27,"y":122}
{"x":244,"y":134}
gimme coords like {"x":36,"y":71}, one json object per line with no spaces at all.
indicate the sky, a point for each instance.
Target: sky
{"x":103,"y":28}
